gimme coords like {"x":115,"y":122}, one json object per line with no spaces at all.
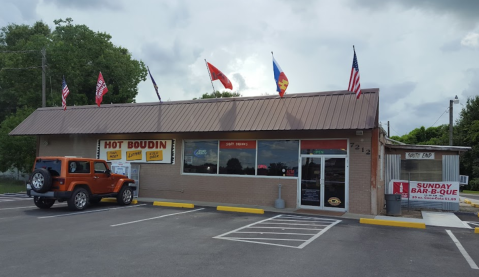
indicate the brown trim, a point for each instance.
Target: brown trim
{"x":374,"y":157}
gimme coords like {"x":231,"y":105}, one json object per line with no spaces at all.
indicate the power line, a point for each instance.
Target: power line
{"x":439,"y":117}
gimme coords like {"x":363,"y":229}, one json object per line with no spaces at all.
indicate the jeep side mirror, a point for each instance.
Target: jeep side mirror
{"x":108,"y":172}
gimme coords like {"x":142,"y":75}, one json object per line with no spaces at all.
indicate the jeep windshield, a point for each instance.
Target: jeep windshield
{"x":53,"y":166}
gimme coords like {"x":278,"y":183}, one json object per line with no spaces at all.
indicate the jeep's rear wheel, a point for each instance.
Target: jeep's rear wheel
{"x":79,"y":199}
{"x":125,"y":196}
{"x":43,"y":203}
{"x":41,"y":180}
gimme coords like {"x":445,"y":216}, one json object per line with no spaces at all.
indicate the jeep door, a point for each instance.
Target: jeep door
{"x":103,"y":182}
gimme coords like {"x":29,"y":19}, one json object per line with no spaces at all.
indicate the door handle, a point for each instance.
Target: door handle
{"x":95,"y":177}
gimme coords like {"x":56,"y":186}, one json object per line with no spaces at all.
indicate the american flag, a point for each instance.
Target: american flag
{"x":354,"y":85}
{"x":65,"y":93}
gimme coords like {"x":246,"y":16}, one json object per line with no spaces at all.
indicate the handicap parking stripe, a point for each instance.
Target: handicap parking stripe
{"x":296,"y":229}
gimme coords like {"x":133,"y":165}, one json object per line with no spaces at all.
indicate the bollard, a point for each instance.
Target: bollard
{"x":279,"y":203}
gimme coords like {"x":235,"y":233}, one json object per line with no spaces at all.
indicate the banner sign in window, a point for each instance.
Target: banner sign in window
{"x":113,"y":155}
{"x":135,"y":155}
{"x":426,"y":191}
{"x":419,"y":155}
{"x":238,"y":144}
{"x":145,"y":151}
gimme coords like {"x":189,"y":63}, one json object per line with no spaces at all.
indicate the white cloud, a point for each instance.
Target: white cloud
{"x":471,"y":40}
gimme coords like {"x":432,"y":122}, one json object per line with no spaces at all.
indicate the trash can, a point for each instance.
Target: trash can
{"x":393,"y":204}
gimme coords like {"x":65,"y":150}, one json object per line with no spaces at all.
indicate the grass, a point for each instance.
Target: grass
{"x":11,"y":186}
{"x":470,"y":191}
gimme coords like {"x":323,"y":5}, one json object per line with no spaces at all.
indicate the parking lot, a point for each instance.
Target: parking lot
{"x":145,"y":240}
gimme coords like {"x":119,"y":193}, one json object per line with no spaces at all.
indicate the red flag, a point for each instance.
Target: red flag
{"x":101,"y":89}
{"x":218,"y":75}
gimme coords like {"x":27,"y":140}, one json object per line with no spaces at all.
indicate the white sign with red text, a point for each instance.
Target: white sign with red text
{"x":426,"y":191}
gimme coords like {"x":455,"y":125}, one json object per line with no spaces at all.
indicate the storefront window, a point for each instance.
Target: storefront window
{"x":278,"y":157}
{"x":237,"y":157}
{"x":324,"y":147}
{"x":201,"y":157}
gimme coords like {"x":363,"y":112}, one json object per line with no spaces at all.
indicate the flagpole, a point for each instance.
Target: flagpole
{"x":209,"y":73}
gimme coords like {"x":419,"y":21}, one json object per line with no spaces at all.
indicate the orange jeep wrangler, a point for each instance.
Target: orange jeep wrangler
{"x":79,"y":181}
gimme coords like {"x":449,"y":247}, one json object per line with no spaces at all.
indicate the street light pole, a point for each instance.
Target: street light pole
{"x":450,"y":121}
{"x":451,"y":102}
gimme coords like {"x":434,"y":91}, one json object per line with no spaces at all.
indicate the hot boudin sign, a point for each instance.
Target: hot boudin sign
{"x":142,"y":151}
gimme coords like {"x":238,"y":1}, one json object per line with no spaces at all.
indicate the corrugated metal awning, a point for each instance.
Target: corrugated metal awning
{"x":335,"y":110}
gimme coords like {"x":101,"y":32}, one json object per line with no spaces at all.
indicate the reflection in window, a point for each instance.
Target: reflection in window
{"x":200,"y":157}
{"x":278,"y":157}
{"x":237,"y":157}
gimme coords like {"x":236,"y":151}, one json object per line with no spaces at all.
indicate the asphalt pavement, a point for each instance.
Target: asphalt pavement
{"x":144,"y":240}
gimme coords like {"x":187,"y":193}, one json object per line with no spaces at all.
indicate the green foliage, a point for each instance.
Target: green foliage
{"x":73,"y":51}
{"x":431,"y":136}
{"x":16,"y":151}
{"x":8,"y":185}
{"x":474,"y":184}
{"x":218,"y":94}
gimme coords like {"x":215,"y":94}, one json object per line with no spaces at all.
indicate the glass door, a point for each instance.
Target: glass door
{"x":334,"y":183}
{"x":323,"y":182}
{"x":311,"y":179}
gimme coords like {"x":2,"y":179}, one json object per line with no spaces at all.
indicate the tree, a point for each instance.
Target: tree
{"x":466,"y":133}
{"x":218,"y":94}
{"x":72,"y":51}
{"x":16,"y":151}
{"x":431,"y":136}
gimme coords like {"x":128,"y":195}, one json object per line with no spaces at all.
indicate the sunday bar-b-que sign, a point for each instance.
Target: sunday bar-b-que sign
{"x":143,"y":151}
{"x":426,"y":191}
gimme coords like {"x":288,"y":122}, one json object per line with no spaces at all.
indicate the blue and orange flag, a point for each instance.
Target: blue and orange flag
{"x":154,"y":84}
{"x":280,"y":78}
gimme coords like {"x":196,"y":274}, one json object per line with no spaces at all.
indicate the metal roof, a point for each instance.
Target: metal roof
{"x":334,"y":110}
{"x":429,"y":147}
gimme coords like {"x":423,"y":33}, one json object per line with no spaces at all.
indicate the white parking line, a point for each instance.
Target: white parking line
{"x":90,"y":211}
{"x":18,"y":208}
{"x":151,"y":218}
{"x":463,"y":251}
{"x":289,"y":222}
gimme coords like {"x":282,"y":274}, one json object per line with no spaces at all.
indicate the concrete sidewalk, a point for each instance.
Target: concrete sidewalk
{"x":441,"y":219}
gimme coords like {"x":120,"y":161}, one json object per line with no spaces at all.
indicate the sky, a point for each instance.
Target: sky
{"x":419,"y":53}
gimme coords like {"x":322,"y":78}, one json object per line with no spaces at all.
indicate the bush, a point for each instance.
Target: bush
{"x":474,"y":184}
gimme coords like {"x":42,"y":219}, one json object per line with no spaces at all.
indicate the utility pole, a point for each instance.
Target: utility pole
{"x":389,"y":132}
{"x":44,"y":62}
{"x":450,"y":121}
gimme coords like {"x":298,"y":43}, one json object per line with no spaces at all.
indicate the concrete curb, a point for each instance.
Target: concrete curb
{"x":392,"y":223}
{"x":113,"y":200}
{"x":240,"y":210}
{"x":172,"y":204}
{"x":476,"y":230}
{"x":467,"y":201}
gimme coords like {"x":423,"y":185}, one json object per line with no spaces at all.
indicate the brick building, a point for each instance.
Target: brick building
{"x":323,"y":148}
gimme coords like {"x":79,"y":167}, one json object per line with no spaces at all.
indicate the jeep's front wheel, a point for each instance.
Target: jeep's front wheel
{"x":79,"y":199}
{"x":43,"y":203}
{"x":125,"y":196}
